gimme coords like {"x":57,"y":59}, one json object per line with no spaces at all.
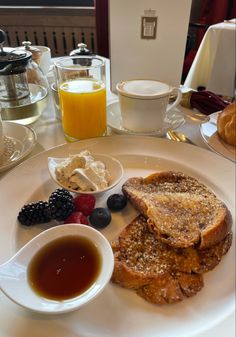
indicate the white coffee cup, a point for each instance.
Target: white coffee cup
{"x":144,"y":103}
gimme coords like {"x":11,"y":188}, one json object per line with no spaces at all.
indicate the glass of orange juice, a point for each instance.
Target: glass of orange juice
{"x":82,"y":95}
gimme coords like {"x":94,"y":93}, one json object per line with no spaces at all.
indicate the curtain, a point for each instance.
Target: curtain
{"x":215,"y":11}
{"x":101,"y":8}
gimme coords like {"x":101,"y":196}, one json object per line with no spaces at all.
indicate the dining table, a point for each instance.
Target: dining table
{"x":49,"y":131}
{"x":49,"y":134}
{"x":213,"y":67}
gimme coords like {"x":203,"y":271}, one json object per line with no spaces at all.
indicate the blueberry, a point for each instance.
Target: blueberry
{"x":100,"y":217}
{"x":116,"y":202}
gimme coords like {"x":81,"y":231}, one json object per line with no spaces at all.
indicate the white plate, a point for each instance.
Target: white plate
{"x":19,"y":141}
{"x":173,"y":120}
{"x":120,"y":312}
{"x":209,"y":134}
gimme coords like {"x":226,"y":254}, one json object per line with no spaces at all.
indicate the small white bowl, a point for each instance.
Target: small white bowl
{"x":13,"y":274}
{"x":113,"y":165}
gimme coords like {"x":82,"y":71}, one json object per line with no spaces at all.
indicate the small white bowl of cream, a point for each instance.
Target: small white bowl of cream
{"x":85,"y":172}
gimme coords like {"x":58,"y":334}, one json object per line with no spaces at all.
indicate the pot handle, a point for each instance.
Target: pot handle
{"x":7,"y":68}
{"x":177,"y":100}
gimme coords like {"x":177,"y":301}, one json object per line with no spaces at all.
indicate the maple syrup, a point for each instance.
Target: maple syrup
{"x":64,"y":268}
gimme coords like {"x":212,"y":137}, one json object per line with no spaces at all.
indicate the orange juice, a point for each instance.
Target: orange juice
{"x":83,"y":108}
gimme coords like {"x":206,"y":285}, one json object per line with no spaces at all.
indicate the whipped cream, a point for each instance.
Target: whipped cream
{"x":81,"y":172}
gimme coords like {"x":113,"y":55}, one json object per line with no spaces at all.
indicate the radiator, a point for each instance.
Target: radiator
{"x":61,"y":40}
{"x":59,"y":28}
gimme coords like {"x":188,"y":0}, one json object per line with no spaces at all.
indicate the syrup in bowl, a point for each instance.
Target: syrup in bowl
{"x":64,"y":268}
{"x":59,"y":270}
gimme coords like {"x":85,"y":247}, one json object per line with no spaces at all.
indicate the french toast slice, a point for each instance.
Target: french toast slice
{"x":158,"y":272}
{"x":180,"y":210}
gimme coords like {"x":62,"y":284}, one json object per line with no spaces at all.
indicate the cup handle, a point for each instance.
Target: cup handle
{"x":177,"y":101}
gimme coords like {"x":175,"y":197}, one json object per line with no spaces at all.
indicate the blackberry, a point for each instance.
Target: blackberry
{"x":61,"y":204}
{"x":34,"y":213}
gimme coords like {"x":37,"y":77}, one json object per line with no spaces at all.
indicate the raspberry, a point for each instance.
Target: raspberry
{"x":77,"y":217}
{"x":84,"y":203}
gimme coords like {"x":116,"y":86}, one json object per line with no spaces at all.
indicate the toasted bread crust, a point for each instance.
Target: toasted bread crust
{"x":181,"y":211}
{"x":158,"y":272}
{"x":171,"y":289}
{"x":209,"y":258}
{"x":218,"y":231}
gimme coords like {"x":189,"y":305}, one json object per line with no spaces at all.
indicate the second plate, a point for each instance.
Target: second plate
{"x":210,"y":136}
{"x":19,"y":141}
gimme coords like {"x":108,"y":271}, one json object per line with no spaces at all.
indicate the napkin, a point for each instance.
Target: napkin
{"x":205,"y":101}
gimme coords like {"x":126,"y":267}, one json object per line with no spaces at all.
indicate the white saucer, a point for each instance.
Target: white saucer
{"x":210,"y":135}
{"x":19,"y":141}
{"x":173,"y":120}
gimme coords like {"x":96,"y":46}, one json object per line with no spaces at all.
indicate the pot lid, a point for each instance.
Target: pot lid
{"x":36,"y":53}
{"x":11,"y":58}
{"x":81,"y":50}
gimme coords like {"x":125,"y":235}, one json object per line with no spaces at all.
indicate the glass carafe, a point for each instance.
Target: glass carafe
{"x":23,"y":86}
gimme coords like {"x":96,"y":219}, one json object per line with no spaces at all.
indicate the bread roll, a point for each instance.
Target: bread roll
{"x":226,"y":124}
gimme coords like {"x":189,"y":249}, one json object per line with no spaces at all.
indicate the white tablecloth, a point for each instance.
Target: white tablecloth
{"x":214,"y":63}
